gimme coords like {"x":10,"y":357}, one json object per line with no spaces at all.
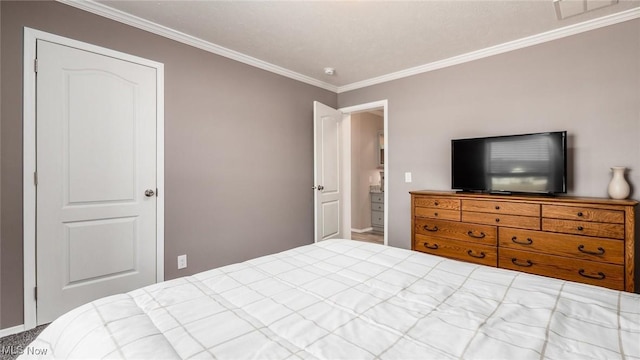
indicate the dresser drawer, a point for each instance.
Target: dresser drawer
{"x":455,"y":230}
{"x":435,"y":213}
{"x":377,"y":218}
{"x":377,"y":198}
{"x":583,"y":214}
{"x":460,"y":250}
{"x":377,"y":206}
{"x":574,"y":246}
{"x":522,"y":222}
{"x":501,"y":207}
{"x":450,"y":204}
{"x":589,"y":272}
{"x":605,"y":230}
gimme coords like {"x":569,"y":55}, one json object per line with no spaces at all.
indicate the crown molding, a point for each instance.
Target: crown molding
{"x":500,"y":49}
{"x":146,"y":25}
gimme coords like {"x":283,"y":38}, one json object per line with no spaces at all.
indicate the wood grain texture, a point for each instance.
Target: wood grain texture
{"x":434,"y":213}
{"x":501,"y":207}
{"x":459,"y":250}
{"x":522,"y":222}
{"x":438,"y":203}
{"x":573,"y":246}
{"x":582,"y":213}
{"x":603,"y":230}
{"x":456,"y":230}
{"x":565,"y":232}
{"x":602,"y":203}
{"x":589,"y":272}
{"x":629,"y":249}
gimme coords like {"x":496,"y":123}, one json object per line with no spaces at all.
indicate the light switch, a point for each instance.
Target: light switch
{"x":407,"y":177}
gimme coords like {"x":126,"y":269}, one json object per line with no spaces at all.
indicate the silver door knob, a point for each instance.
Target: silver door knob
{"x":149,"y":193}
{"x":320,"y":187}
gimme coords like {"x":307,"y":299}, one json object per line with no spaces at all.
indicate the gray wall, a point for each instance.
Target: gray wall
{"x":587,"y":84}
{"x":238,"y":148}
{"x":232,"y":195}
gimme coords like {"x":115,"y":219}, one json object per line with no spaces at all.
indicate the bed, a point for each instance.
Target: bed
{"x":343,"y":299}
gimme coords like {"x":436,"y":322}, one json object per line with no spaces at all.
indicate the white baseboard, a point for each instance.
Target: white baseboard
{"x":360,"y":231}
{"x":11,"y":330}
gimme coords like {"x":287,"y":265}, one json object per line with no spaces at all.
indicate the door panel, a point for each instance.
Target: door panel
{"x":100,"y":249}
{"x":331,"y":219}
{"x":96,"y":156}
{"x":330,"y":154}
{"x":327,"y":177}
{"x":100,"y":129}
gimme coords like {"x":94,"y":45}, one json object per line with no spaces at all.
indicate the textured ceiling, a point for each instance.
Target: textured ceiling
{"x":360,"y":39}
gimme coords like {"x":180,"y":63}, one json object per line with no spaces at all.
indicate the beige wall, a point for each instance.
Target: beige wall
{"x":364,"y":165}
{"x":587,"y":84}
{"x":238,"y":148}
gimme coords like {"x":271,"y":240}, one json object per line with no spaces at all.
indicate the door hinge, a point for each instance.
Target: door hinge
{"x":35,"y":293}
{"x":35,"y":65}
{"x":35,"y":178}
{"x":157,"y":192}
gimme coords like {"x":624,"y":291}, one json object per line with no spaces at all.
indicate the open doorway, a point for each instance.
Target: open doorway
{"x":366,"y":169}
{"x":367,"y":176}
{"x":332,"y":171}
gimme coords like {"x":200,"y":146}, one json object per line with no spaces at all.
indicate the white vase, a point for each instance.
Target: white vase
{"x":618,"y":187}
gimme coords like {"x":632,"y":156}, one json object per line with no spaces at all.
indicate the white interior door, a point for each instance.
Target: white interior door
{"x":327,"y":168}
{"x":96,"y":158}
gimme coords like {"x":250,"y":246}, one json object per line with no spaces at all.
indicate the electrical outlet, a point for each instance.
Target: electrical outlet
{"x":407,"y":177}
{"x":182,"y":262}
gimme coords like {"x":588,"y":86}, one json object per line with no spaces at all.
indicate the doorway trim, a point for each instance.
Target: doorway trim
{"x":29,"y":157}
{"x":346,"y":163}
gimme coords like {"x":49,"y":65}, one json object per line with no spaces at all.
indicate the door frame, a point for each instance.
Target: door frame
{"x":29,"y":157}
{"x":346,"y":162}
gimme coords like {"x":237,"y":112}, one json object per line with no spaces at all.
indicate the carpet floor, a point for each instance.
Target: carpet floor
{"x":12,"y":346}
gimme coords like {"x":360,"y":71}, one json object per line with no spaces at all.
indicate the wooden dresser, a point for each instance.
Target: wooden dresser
{"x":588,"y":240}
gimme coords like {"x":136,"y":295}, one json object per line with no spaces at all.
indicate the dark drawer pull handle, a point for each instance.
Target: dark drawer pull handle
{"x":497,"y":220}
{"x":432,"y":247}
{"x":497,"y":207}
{"x":482,"y":235}
{"x":600,"y":251}
{"x":600,"y":276}
{"x":426,"y":227}
{"x":580,"y":228}
{"x":580,"y":214}
{"x":436,"y":203}
{"x":435,"y":214}
{"x":515,"y":262}
{"x":528,"y":242}
{"x":481,"y":256}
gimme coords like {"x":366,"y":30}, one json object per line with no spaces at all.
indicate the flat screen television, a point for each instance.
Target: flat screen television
{"x":527,"y":163}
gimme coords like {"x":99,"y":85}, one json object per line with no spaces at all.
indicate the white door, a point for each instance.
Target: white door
{"x":327,"y":165}
{"x":96,"y":157}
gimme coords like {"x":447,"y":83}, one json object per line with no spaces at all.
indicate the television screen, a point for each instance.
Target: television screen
{"x":530,"y":163}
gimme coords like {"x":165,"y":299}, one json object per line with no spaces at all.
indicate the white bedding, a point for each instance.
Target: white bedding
{"x":342,"y":299}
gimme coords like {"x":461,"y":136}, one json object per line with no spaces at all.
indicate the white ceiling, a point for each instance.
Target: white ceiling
{"x":362,"y":40}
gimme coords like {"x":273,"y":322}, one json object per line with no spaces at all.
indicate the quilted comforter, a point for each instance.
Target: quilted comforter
{"x":342,"y":299}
